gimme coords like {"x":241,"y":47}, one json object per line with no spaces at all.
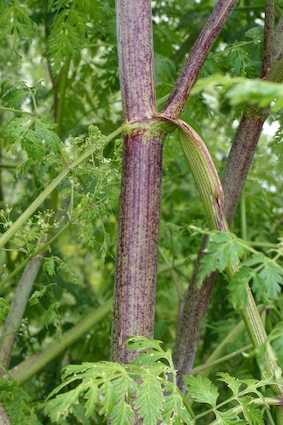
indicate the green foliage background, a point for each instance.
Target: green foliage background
{"x":59,"y":96}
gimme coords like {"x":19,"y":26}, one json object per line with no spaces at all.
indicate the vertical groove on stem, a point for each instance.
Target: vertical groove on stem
{"x":268,"y":37}
{"x":136,"y":267}
{"x":239,"y":161}
{"x":180,"y":93}
{"x":137,"y":250}
{"x":277,"y":48}
{"x":135,"y":53}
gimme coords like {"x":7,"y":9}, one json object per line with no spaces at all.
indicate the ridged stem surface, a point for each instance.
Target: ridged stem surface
{"x":180,"y":93}
{"x":135,"y":54}
{"x":136,"y":267}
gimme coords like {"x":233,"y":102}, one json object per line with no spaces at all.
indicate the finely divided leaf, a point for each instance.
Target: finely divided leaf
{"x":229,"y":418}
{"x":4,"y":308}
{"x":107,"y":397}
{"x":31,"y":134}
{"x":272,"y":275}
{"x":62,"y":404}
{"x":232,"y":382}
{"x":238,"y":295}
{"x":141,"y":343}
{"x":174,"y":411}
{"x":267,"y":278}
{"x":149,"y":399}
{"x":251,"y":412}
{"x":223,"y":250}
{"x":202,"y":390}
{"x":122,"y":414}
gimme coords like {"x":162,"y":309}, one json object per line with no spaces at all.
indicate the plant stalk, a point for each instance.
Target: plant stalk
{"x":238,"y":164}
{"x":13,"y":320}
{"x":137,"y":250}
{"x":180,"y":93}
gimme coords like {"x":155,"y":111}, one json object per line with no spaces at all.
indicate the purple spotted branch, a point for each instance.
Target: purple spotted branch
{"x":234,"y":177}
{"x":144,"y":133}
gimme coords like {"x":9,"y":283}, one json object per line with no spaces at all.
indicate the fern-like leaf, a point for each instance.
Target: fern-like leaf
{"x":223,"y":251}
{"x":252,"y":413}
{"x":67,"y":36}
{"x":149,"y":399}
{"x":233,"y":383}
{"x":229,"y":418}
{"x":202,"y":390}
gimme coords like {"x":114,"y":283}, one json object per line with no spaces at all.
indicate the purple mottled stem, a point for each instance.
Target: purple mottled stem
{"x":268,"y":37}
{"x":277,"y":50}
{"x":136,"y":265}
{"x":239,"y":161}
{"x":135,"y":52}
{"x":180,"y":93}
{"x":136,"y":268}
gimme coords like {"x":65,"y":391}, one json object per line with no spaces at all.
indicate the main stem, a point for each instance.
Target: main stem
{"x":136,"y":264}
{"x":136,"y":268}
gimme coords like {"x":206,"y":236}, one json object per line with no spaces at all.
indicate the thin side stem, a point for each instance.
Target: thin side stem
{"x":268,"y":37}
{"x":239,"y":161}
{"x":180,"y":93}
{"x":4,"y":420}
{"x":277,"y":48}
{"x":18,"y":306}
{"x":33,"y":364}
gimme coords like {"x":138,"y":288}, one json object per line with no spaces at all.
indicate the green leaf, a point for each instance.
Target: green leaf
{"x":232,"y":382}
{"x":60,"y":406}
{"x":7,"y":384}
{"x":4,"y":308}
{"x":202,"y":390}
{"x":31,"y":134}
{"x":238,"y":295}
{"x":34,"y":299}
{"x":15,"y":21}
{"x":19,"y":407}
{"x":52,"y":316}
{"x":149,"y":399}
{"x":272,"y":275}
{"x":107,"y":397}
{"x":137,"y":343}
{"x":174,"y":411}
{"x":122,"y":414}
{"x":224,"y":249}
{"x":229,"y":418}
{"x":14,"y":95}
{"x":252,"y":413}
{"x":257,"y":92}
{"x":91,"y":397}
{"x":276,"y":145}
{"x":67,"y":36}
